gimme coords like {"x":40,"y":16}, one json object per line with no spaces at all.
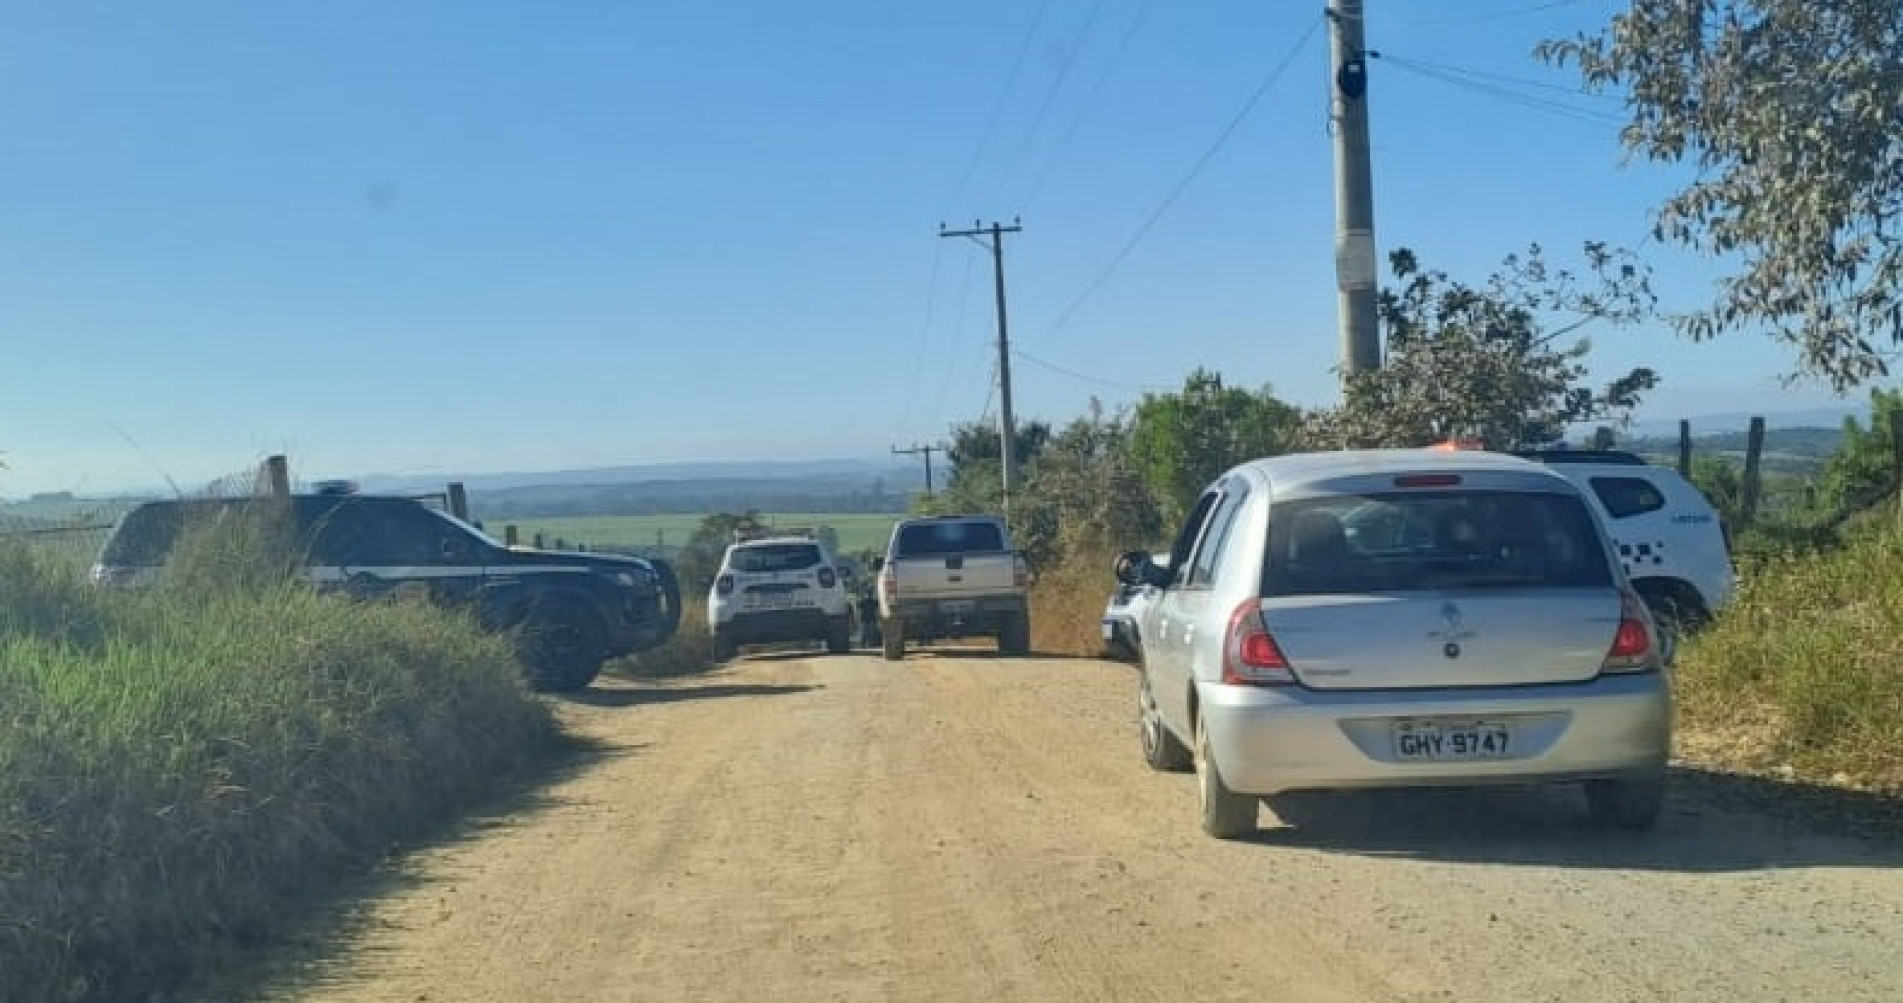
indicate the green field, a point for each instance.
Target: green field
{"x":857,"y":530}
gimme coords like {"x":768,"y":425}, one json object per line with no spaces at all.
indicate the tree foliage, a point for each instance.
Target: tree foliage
{"x":1863,"y":469}
{"x":1790,"y":112}
{"x":1477,"y":361}
{"x":976,"y":479}
{"x":1182,"y":441}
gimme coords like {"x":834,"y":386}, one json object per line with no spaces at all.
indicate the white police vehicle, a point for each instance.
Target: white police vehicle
{"x":778,"y":585}
{"x":1672,"y":542}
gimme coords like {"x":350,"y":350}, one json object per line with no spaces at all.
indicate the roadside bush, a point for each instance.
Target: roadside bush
{"x":1067,"y":602}
{"x":690,"y":650}
{"x":180,"y":769}
{"x":1805,"y":669}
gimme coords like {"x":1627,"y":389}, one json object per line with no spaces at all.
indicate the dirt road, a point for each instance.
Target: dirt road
{"x":960,"y":827}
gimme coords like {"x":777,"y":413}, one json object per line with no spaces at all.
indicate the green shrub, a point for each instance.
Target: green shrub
{"x":1809,"y":659}
{"x":180,"y":768}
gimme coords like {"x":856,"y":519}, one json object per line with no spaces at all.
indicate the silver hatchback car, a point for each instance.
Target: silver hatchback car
{"x":1398,"y":618}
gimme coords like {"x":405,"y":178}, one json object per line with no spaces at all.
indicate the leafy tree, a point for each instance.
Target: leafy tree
{"x":975,"y":482}
{"x":1084,"y":494}
{"x":1789,"y":111}
{"x":1476,"y":362}
{"x":1863,"y":470}
{"x":700,"y":558}
{"x":1182,"y":441}
{"x":1722,"y":484}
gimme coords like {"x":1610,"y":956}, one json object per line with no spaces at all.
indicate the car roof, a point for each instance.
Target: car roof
{"x":1300,"y":472}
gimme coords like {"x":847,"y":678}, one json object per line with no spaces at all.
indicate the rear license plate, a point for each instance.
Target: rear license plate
{"x":1451,"y":741}
{"x":955,"y":607}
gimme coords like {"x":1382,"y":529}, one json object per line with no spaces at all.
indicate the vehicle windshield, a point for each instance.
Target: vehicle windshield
{"x":926,"y":538}
{"x":1411,"y":541}
{"x":767,"y":557}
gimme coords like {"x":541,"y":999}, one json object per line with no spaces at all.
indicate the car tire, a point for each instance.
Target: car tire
{"x":1625,"y":804}
{"x":839,"y":636}
{"x":1225,"y":814}
{"x":562,"y":646}
{"x":1676,"y":614}
{"x":1162,"y":750}
{"x":724,"y":647}
{"x":1014,"y":637}
{"x":892,"y":635}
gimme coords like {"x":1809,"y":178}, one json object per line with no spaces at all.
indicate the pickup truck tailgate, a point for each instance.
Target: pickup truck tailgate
{"x":951,"y":576}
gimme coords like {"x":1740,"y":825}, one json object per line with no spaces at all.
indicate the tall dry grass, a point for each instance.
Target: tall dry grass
{"x":181,"y":769}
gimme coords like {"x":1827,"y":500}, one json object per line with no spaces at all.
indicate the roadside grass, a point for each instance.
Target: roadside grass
{"x":689,"y":651}
{"x":1067,"y":604}
{"x":1803,"y":673}
{"x":183,"y":770}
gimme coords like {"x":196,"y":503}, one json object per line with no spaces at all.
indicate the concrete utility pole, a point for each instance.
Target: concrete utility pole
{"x":928,"y":451}
{"x":1354,"y":189}
{"x":1007,"y":428}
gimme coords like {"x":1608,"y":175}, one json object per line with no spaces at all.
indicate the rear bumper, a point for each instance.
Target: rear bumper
{"x":979,"y":615}
{"x":779,"y":625}
{"x":1272,"y":740}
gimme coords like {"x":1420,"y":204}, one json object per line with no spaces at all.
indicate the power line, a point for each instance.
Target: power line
{"x":925,"y":329}
{"x":1084,"y":377}
{"x":1195,"y":169}
{"x":1044,"y":106}
{"x":1089,"y":102}
{"x":997,"y":107}
{"x":1481,"y":16}
{"x":958,"y":327}
{"x":1561,"y":109}
{"x":1504,"y":79}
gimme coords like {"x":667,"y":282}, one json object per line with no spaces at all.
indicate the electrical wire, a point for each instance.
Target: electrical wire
{"x":1477,"y":17}
{"x":925,"y":329}
{"x":1222,"y":138}
{"x":1503,"y":79}
{"x":1084,"y":377}
{"x":1089,"y":102}
{"x":1044,"y":106}
{"x":1561,"y":109}
{"x":958,"y":327}
{"x":997,"y":109}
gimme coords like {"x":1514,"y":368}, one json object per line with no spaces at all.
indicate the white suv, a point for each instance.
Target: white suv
{"x":775,"y":586}
{"x":1670,"y":539}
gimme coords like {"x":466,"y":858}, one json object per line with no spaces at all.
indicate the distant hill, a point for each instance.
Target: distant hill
{"x":1738,"y":421}
{"x":904,"y":476}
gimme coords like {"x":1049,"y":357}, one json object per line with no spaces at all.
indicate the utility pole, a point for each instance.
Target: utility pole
{"x":1007,"y":428}
{"x":928,"y":451}
{"x":1354,"y":189}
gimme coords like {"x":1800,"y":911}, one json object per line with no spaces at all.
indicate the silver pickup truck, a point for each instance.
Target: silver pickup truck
{"x":953,"y":576}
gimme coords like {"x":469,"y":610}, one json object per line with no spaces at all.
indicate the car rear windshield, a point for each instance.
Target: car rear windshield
{"x":924,"y":538}
{"x":1419,"y":540}
{"x":773,"y":557}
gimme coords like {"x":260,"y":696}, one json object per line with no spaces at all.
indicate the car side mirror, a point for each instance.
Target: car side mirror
{"x":1133,"y":567}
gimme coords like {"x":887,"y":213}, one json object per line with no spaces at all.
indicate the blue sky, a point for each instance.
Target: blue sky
{"x":480,"y":236}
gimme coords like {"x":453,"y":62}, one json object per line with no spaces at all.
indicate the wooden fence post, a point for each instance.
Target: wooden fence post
{"x":277,"y":476}
{"x":510,"y":534}
{"x":458,"y":501}
{"x":538,"y":541}
{"x":1896,"y":459}
{"x":1753,"y":476}
{"x":1684,"y":448}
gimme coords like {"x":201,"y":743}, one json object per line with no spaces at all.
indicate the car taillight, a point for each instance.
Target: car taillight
{"x":724,"y":585}
{"x":1250,"y":657}
{"x":1631,"y":649}
{"x":1020,"y":572}
{"x":827,"y":579}
{"x":889,"y":586}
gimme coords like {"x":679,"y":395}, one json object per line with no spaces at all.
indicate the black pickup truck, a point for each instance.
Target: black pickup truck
{"x":567,"y":612}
